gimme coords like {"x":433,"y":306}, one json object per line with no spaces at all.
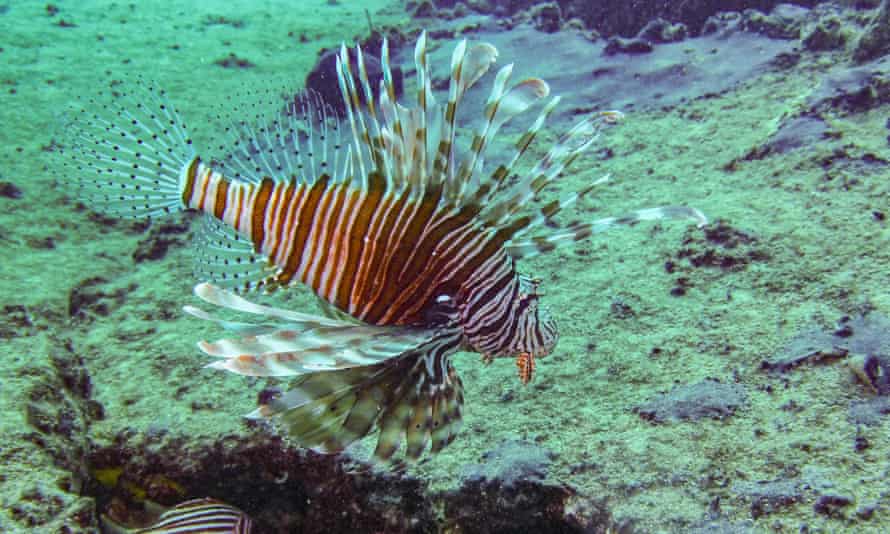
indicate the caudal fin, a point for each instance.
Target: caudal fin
{"x":126,"y":153}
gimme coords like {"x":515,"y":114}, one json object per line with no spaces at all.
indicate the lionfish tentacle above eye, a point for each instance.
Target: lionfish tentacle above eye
{"x":409,"y":246}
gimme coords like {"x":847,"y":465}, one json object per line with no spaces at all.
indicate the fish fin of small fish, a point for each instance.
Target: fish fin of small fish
{"x":125,"y":152}
{"x":415,"y":397}
{"x":201,"y":515}
{"x":544,"y":242}
{"x":228,"y":260}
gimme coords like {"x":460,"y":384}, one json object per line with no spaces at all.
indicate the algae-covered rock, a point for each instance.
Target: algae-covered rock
{"x":875,"y":41}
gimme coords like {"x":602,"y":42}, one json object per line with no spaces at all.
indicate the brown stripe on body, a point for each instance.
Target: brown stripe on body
{"x":272,"y":220}
{"x":370,"y":245}
{"x":317,"y":227}
{"x":304,"y":222}
{"x":219,"y":204}
{"x":433,"y":278}
{"x":440,"y":226}
{"x":328,"y":212}
{"x":403,"y":244}
{"x":418,"y":274}
{"x":190,"y":176}
{"x":286,"y":193}
{"x":258,"y":213}
{"x":345,"y":299}
{"x":326,"y":267}
{"x":240,"y":193}
{"x":376,"y":264}
{"x":205,"y":183}
{"x":341,"y":241}
{"x":439,"y":279}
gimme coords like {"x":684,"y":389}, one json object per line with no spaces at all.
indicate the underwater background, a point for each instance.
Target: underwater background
{"x":731,"y":378}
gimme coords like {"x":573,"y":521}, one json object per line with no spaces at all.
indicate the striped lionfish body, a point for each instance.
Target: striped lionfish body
{"x":409,"y":247}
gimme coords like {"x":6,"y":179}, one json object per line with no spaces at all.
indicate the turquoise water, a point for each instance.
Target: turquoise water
{"x":774,"y":126}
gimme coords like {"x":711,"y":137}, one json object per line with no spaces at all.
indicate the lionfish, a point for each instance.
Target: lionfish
{"x":410,"y":248}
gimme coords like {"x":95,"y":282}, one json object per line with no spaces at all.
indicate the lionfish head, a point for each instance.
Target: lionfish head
{"x":536,"y":330}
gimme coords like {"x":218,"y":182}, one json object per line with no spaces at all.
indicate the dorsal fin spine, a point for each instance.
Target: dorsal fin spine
{"x":351,"y":103}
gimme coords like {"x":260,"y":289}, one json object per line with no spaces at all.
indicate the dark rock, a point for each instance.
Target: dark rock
{"x":854,"y":89}
{"x":620,"y":45}
{"x":57,"y":410}
{"x":783,"y":23}
{"x":873,"y":371}
{"x":799,"y":132}
{"x":866,"y":512}
{"x":662,"y":31}
{"x":546,"y":17}
{"x":710,"y":398}
{"x":90,"y":297}
{"x":832,"y":505}
{"x":867,"y":335}
{"x":587,"y":79}
{"x":861,"y":444}
{"x":613,"y":17}
{"x":15,"y":321}
{"x":769,"y":496}
{"x":248,"y":472}
{"x":322,"y":79}
{"x":510,"y":462}
{"x":827,"y":35}
{"x":722,"y":24}
{"x":723,"y":247}
{"x":875,"y":41}
{"x":507,"y":492}
{"x":10,"y":190}
{"x":234,"y":62}
{"x":423,"y":9}
{"x":161,"y":237}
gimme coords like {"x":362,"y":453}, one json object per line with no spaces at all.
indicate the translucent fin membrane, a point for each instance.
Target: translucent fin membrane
{"x":127,"y":152}
{"x":271,"y":133}
{"x":228,"y":259}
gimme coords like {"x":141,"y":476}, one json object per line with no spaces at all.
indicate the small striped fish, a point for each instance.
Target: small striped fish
{"x":197,"y":516}
{"x":408,"y":245}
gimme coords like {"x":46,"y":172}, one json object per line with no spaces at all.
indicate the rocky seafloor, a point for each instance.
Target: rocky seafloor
{"x":731,"y":378}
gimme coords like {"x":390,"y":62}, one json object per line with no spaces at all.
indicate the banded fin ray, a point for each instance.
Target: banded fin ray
{"x":415,"y":397}
{"x":350,"y":378}
{"x":545,"y":242}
